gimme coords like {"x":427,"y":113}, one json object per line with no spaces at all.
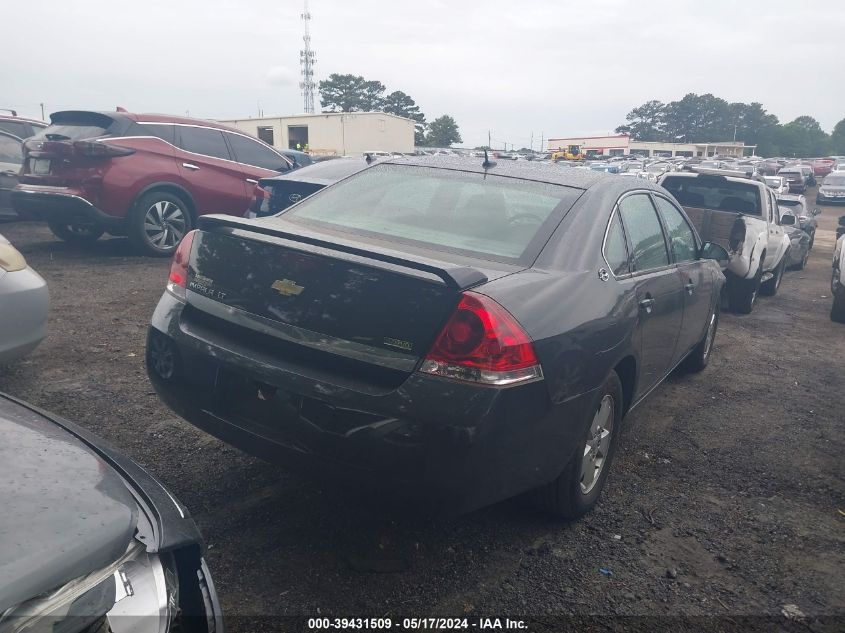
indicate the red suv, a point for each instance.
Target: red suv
{"x":147,"y":176}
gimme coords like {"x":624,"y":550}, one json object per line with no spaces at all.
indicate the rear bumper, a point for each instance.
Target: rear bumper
{"x":442,"y":445}
{"x":59,"y":204}
{"x":24,"y":305}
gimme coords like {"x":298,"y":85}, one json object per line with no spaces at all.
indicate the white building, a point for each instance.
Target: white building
{"x":328,"y":133}
{"x":622,"y":144}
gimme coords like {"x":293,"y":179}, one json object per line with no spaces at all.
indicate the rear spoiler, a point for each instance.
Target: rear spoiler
{"x":455,"y":278}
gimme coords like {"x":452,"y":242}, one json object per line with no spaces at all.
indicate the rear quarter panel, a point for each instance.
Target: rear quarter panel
{"x":124,"y":178}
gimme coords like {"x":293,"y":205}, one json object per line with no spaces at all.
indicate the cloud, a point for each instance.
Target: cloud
{"x":281,"y":76}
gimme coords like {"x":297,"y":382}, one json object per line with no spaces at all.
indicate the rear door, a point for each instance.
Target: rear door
{"x":658,"y":287}
{"x":694,"y":274}
{"x":774,"y":250}
{"x":257,"y":159}
{"x":214,"y":178}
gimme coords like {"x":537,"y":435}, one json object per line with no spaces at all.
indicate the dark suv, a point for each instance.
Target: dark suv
{"x":147,"y":176}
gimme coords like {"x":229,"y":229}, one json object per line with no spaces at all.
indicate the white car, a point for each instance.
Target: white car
{"x":778,"y":184}
{"x":837,"y":281}
{"x":24,"y":304}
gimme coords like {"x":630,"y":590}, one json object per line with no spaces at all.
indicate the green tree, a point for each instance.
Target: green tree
{"x":802,"y":137}
{"x":401,"y":104}
{"x":698,"y":119}
{"x":837,"y":139}
{"x":351,"y":93}
{"x":645,"y":122}
{"x":442,"y":132}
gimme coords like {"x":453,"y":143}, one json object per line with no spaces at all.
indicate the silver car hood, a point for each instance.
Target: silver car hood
{"x":65,"y":511}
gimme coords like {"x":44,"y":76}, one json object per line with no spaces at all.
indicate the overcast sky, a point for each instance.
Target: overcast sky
{"x":551,"y":67}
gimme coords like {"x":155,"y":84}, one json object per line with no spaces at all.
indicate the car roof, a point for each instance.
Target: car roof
{"x":524,"y":169}
{"x":151,"y":117}
{"x":9,"y":117}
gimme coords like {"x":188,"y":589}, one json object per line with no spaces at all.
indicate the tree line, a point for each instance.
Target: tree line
{"x":353,"y":93}
{"x":707,"y":118}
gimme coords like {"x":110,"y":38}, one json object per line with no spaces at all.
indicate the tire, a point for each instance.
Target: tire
{"x":75,"y":233}
{"x":567,"y":496}
{"x":157,"y":223}
{"x":742,"y":294}
{"x":770,"y":288}
{"x":837,"y":310}
{"x":803,"y":263}
{"x":698,"y":358}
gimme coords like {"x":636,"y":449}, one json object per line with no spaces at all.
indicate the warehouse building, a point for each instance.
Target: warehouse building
{"x":333,"y":133}
{"x":622,"y":145}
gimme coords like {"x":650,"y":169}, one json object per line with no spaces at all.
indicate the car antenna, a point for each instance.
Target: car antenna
{"x":487,"y":164}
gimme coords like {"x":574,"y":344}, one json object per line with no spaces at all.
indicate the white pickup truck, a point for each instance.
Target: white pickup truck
{"x":740,"y":214}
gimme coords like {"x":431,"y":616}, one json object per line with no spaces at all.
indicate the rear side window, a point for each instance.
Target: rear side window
{"x":487,"y":216}
{"x":160,"y":130}
{"x":14,"y":127}
{"x":715,"y":193}
{"x":10,"y":150}
{"x":201,"y":140}
{"x":680,"y":234}
{"x":615,"y":248}
{"x":255,"y":153}
{"x":645,"y":236}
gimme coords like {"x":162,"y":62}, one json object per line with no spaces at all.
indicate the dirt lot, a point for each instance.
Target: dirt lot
{"x":726,"y":497}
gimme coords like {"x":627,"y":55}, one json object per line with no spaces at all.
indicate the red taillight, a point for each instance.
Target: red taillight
{"x":178,"y":280}
{"x":483,"y":343}
{"x":96,"y":149}
{"x":260,"y":202}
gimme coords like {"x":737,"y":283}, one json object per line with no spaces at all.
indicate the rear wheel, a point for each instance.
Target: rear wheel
{"x":770,"y":287}
{"x":579,"y":486}
{"x":742,"y":294}
{"x":158,"y":222}
{"x":837,"y":310}
{"x":700,"y":355}
{"x":75,"y":233}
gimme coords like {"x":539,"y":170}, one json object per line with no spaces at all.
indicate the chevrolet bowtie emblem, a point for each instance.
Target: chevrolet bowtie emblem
{"x":287,"y":287}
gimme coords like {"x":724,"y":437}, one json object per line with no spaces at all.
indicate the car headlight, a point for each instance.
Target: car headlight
{"x":138,"y":593}
{"x":10,"y":259}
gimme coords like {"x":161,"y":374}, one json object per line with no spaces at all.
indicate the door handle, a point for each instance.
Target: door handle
{"x":190,"y":166}
{"x":689,"y":287}
{"x":647,"y":305}
{"x":252,"y":181}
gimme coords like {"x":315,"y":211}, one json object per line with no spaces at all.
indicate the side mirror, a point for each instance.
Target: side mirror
{"x":817,"y":211}
{"x":787,"y":219}
{"x":711,"y":250}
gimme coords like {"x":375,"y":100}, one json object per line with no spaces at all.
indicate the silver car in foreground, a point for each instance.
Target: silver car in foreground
{"x":24,"y":303}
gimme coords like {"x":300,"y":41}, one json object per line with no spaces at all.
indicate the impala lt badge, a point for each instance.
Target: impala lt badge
{"x":287,"y":287}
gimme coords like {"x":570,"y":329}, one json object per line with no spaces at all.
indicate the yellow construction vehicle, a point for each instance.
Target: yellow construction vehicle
{"x":572,"y":152}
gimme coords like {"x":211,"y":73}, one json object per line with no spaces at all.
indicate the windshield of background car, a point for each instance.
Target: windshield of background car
{"x":723,"y":195}
{"x":480,"y":215}
{"x":835,"y":181}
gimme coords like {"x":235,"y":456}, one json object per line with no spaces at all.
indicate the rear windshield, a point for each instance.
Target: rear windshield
{"x":329,"y":169}
{"x":70,"y":132}
{"x":720,"y":194}
{"x":75,"y":126}
{"x":484,"y":216}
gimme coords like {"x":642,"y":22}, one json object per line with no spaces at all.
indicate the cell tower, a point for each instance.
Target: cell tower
{"x":306,"y":63}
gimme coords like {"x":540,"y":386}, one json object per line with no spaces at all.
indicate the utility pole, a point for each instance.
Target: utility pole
{"x":306,"y":63}
{"x":541,"y":143}
{"x":489,"y":144}
{"x":42,"y":112}
{"x":532,"y":140}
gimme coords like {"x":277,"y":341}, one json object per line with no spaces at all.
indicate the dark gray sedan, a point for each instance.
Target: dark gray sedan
{"x":448,"y":329}
{"x":89,"y":541}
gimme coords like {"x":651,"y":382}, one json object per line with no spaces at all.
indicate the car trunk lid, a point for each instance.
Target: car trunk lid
{"x":337,"y":296}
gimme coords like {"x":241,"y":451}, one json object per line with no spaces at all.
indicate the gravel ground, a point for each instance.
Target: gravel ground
{"x":726,"y":497}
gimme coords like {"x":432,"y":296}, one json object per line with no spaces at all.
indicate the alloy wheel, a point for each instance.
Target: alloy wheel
{"x":597,"y":448}
{"x":164,"y":224}
{"x":162,"y":357}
